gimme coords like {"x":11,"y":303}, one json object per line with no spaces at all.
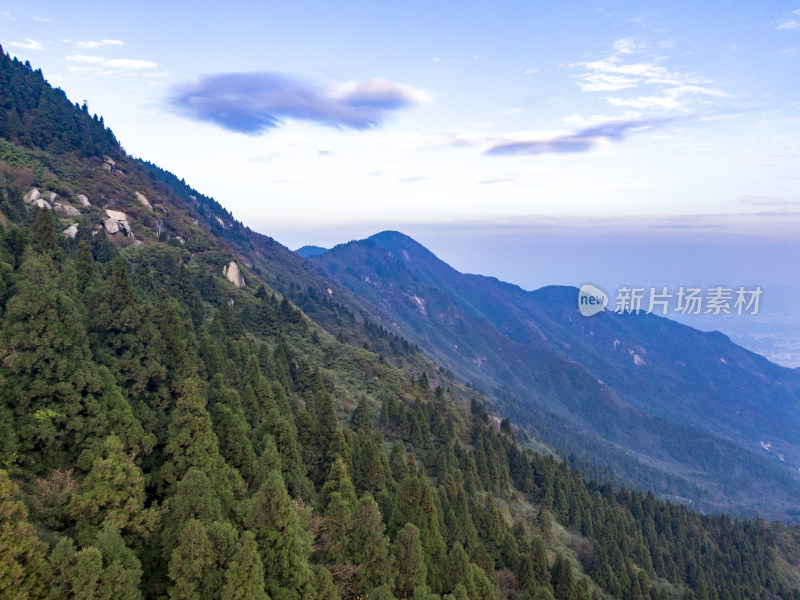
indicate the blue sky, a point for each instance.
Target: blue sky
{"x":493,"y":125}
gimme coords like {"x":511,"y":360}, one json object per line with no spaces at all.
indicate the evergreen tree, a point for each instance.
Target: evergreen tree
{"x":190,"y":562}
{"x":21,"y":552}
{"x":192,"y":443}
{"x":369,"y":546}
{"x":113,"y":493}
{"x":244,"y":579}
{"x":410,"y":569}
{"x":282,"y":545}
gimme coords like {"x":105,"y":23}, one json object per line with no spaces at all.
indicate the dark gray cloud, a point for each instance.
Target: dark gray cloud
{"x":252,"y":103}
{"x":581,"y":141}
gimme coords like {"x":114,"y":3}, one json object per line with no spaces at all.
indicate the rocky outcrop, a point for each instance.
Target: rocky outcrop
{"x":71,"y":231}
{"x":143,"y":200}
{"x":109,"y":164}
{"x":117,"y":222}
{"x":233,"y":274}
{"x":40,"y":199}
{"x":83,"y":200}
{"x":65,"y":210}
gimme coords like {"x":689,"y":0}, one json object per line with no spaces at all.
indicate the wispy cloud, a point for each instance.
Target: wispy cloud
{"x":580,"y":141}
{"x":103,"y":66}
{"x":649,"y":85}
{"x":130,"y":63}
{"x":28,"y":44}
{"x":42,"y":19}
{"x":94,"y":45}
{"x":790,"y":22}
{"x":496,"y":180}
{"x":786,"y":53}
{"x":87,"y":59}
{"x":252,"y":103}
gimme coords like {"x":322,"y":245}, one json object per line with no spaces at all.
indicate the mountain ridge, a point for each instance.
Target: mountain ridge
{"x":505,"y":338}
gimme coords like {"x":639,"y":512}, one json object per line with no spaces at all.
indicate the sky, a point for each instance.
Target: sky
{"x":559,"y":142}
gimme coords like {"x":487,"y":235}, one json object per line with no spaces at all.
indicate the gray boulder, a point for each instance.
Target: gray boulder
{"x":65,"y":210}
{"x":233,"y":274}
{"x":31,"y":196}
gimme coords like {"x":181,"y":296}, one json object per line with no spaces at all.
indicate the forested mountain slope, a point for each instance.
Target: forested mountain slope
{"x":667,"y":407}
{"x":167,"y":431}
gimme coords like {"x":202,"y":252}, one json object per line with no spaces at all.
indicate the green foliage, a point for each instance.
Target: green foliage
{"x":409,"y":559}
{"x":170,"y":445}
{"x":21,"y":552}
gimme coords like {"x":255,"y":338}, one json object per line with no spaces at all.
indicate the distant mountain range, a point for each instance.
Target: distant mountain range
{"x":687,"y":413}
{"x":309,"y":251}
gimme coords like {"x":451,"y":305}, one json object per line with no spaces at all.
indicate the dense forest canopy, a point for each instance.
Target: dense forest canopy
{"x":167,"y":434}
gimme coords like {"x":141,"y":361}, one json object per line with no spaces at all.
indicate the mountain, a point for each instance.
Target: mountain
{"x":723,"y":422}
{"x":309,"y":251}
{"x":172,"y":425}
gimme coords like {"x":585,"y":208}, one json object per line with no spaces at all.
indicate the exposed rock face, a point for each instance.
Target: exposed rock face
{"x":221,"y":222}
{"x":53,"y":196}
{"x":41,"y":203}
{"x":111,"y":226}
{"x":83,"y":200}
{"x":109,"y":164}
{"x":233,"y":274}
{"x":143,"y":200}
{"x":31,"y":196}
{"x":65,"y":210}
{"x":71,"y":231}
{"x":117,"y":222}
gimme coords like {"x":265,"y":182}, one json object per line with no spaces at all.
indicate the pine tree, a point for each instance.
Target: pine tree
{"x":561,"y":576}
{"x":193,"y":497}
{"x":122,"y":571}
{"x":190,"y":562}
{"x":63,"y":403}
{"x":369,"y":546}
{"x":409,"y":560}
{"x":113,"y":492}
{"x":244,"y":579}
{"x":326,"y":588}
{"x":284,"y":550}
{"x":192,"y":443}
{"x":338,"y":481}
{"x":21,"y":552}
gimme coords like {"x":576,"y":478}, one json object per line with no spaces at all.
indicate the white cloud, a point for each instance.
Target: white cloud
{"x":130,"y":63}
{"x":101,"y":66}
{"x":650,"y":85}
{"x":605,"y":82}
{"x":84,"y":58}
{"x":93,"y":45}
{"x":379,"y":90}
{"x":786,"y":53}
{"x":42,"y":19}
{"x":788,"y":25}
{"x":28,"y":44}
{"x":625,"y":46}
